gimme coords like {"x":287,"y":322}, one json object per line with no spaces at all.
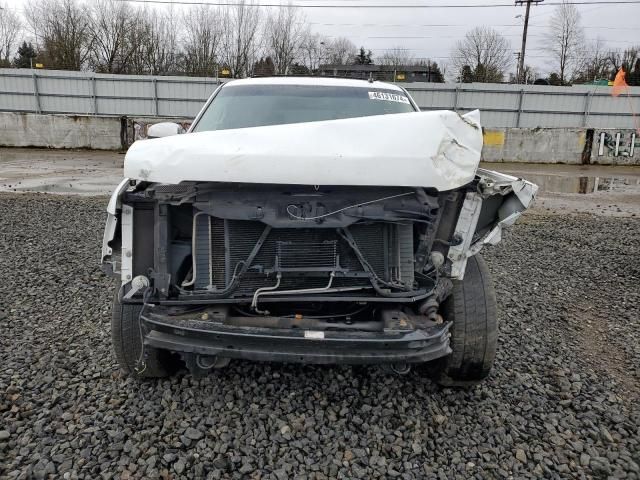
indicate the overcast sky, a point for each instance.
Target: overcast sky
{"x":415,"y":29}
{"x":432,"y":32}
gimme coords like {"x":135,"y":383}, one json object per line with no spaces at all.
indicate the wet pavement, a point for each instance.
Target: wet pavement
{"x":599,"y":189}
{"x":585,"y":179}
{"x":85,"y":172}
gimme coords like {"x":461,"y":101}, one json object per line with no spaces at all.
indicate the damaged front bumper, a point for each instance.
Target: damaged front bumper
{"x":398,"y":340}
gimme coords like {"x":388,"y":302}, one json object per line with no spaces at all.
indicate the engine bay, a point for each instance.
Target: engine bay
{"x":251,"y":243}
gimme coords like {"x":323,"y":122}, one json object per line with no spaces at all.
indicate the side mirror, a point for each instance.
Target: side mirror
{"x":164,"y":129}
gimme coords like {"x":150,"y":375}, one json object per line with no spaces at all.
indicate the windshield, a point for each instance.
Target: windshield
{"x":259,"y":105}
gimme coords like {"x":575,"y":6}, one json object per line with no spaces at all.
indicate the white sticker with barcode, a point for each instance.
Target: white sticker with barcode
{"x":314,"y":334}
{"x":389,"y":97}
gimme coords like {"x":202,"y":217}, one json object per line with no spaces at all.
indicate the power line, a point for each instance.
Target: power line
{"x":425,"y":37}
{"x":440,"y":56}
{"x":448,"y":25}
{"x":435,"y":36}
{"x":279,"y":5}
{"x":583,"y":26}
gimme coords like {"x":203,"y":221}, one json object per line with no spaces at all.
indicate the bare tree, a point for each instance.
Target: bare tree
{"x":623,"y":58}
{"x":138,"y":35}
{"x":284,"y":33}
{"x":202,"y":47}
{"x":529,"y":75}
{"x":113,"y":43}
{"x":311,"y":52}
{"x":594,"y":63}
{"x":485,"y":52}
{"x":444,"y":68}
{"x":240,"y":38}
{"x":62,"y":32}
{"x":395,"y":57}
{"x":340,"y":51}
{"x":10,"y":27}
{"x":159,"y":47}
{"x":565,"y":39}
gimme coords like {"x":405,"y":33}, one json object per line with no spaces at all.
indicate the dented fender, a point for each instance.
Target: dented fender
{"x":517,"y":196}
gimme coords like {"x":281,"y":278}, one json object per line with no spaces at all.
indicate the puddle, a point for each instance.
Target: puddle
{"x":584,"y":184}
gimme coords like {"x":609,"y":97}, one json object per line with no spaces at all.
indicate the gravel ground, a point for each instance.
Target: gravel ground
{"x":563,"y":400}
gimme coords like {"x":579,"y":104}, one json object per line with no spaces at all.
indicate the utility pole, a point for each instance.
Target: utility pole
{"x":524,"y":37}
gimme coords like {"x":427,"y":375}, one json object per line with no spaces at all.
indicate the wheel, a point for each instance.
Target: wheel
{"x":474,"y":332}
{"x":127,"y":344}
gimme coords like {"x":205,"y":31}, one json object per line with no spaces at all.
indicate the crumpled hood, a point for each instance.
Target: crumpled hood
{"x":439,"y":149}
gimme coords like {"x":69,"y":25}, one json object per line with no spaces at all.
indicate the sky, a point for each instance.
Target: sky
{"x":420,"y":30}
{"x":432,"y":32}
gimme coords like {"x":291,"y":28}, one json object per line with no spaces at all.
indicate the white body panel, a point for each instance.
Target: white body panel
{"x":439,"y":149}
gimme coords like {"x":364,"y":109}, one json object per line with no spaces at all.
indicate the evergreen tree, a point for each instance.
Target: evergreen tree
{"x":26,"y":56}
{"x":466,"y":76}
{"x":363,"y":57}
{"x":554,"y":79}
{"x":297,"y":69}
{"x":436,"y":73}
{"x":633,"y":77}
{"x":264,"y":68}
{"x":487,"y":74}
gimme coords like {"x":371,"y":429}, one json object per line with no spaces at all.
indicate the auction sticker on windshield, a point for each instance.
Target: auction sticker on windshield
{"x":389,"y":97}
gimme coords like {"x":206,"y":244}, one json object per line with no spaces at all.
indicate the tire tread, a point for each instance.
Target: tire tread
{"x":474,"y":333}
{"x":127,"y":342}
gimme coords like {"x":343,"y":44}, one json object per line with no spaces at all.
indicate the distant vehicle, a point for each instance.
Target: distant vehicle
{"x":541,"y":81}
{"x":310,"y":220}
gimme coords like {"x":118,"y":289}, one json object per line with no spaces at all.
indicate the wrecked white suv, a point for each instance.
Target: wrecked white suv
{"x":309,"y":220}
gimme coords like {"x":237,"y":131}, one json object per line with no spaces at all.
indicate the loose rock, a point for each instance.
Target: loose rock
{"x":567,"y":289}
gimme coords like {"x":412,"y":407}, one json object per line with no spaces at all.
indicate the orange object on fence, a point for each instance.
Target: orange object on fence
{"x":619,"y":83}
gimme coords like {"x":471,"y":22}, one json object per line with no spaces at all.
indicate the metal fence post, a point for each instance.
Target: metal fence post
{"x":155,"y":96}
{"x":587,"y":108}
{"x":455,"y":99}
{"x":36,"y":94}
{"x":94,"y":95}
{"x":520,"y":101}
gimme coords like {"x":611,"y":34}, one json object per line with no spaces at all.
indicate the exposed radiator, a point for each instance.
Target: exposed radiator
{"x":303,"y":256}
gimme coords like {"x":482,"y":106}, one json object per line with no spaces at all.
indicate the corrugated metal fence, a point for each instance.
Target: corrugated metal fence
{"x":533,"y":106}
{"x":86,"y":93}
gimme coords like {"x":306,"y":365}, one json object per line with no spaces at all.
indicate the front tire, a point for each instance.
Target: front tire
{"x":127,"y":344}
{"x":474,"y":332}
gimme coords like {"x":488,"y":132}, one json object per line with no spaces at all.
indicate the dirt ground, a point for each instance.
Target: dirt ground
{"x":86,"y":172}
{"x":611,"y":191}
